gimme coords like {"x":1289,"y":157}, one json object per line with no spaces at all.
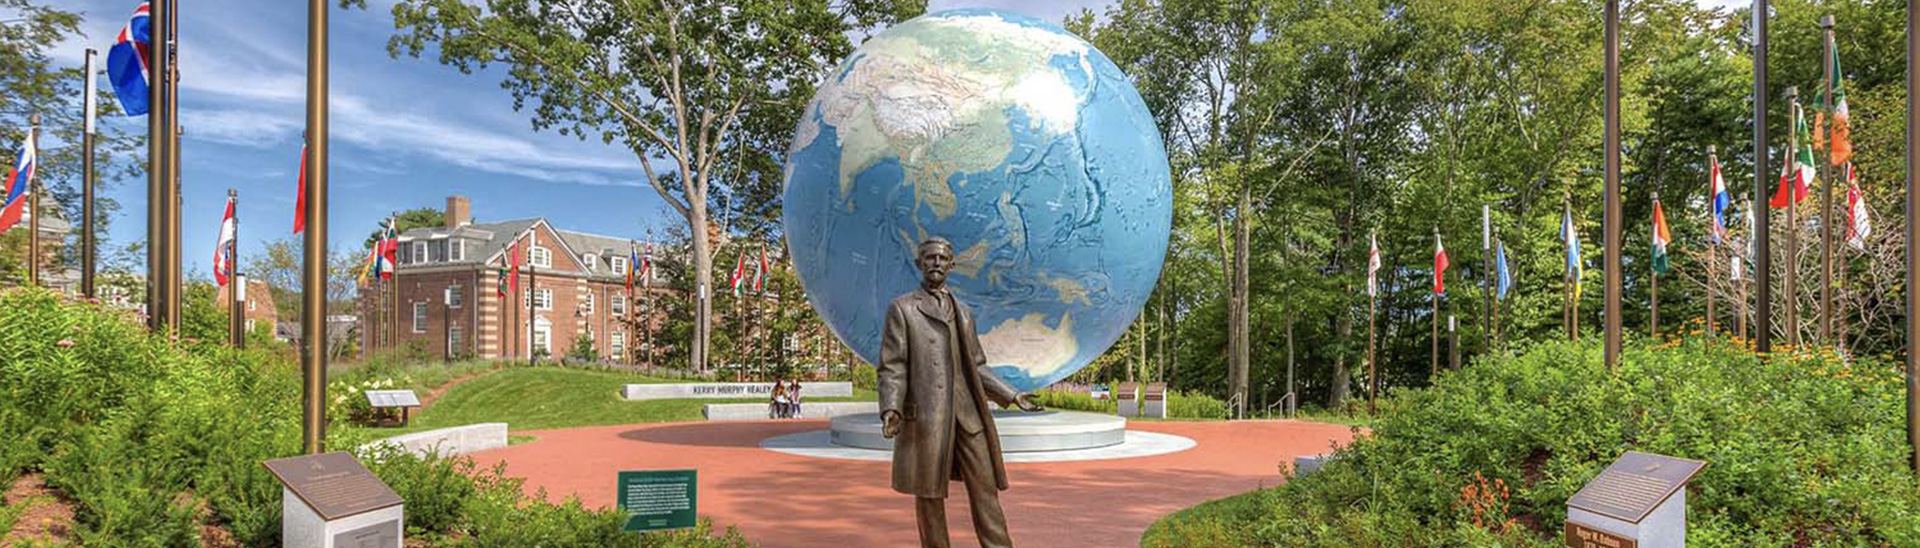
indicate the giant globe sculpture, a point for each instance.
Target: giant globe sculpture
{"x":1013,"y":139}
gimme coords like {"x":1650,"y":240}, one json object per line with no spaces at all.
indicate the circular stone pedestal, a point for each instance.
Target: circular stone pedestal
{"x":1020,"y":432}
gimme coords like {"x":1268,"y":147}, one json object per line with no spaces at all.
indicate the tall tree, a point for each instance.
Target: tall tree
{"x":697,"y":86}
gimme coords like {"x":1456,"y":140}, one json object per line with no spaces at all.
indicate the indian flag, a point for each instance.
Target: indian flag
{"x":1661,"y":237}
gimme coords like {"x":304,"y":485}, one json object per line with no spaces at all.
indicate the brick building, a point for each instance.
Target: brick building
{"x":444,"y":295}
{"x":258,"y":304}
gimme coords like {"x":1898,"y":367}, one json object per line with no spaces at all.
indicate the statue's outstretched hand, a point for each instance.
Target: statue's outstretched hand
{"x":889,"y":424}
{"x":1025,"y":401}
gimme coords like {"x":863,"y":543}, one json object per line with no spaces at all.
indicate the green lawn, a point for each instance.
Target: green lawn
{"x":551,"y":397}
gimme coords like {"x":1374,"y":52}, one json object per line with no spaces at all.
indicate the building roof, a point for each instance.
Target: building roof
{"x":495,"y":236}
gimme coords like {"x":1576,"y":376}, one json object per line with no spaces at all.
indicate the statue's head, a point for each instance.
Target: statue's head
{"x":935,"y":259}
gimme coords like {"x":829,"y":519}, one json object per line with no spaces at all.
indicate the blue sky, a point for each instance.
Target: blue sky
{"x":405,"y":132}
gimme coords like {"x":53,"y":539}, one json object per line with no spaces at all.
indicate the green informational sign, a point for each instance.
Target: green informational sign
{"x":657,"y":500}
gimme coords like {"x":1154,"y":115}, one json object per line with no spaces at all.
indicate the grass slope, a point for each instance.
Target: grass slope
{"x":551,"y":397}
{"x":1804,"y":448}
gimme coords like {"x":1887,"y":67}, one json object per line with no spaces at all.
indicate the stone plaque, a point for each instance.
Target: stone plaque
{"x":392,"y":398}
{"x":656,"y":500}
{"x":385,"y":534}
{"x":1634,"y":485}
{"x":334,"y":485}
{"x":1581,"y":536}
{"x":730,"y":390}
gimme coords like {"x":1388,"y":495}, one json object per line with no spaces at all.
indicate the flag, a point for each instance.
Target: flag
{"x":1439,"y":265}
{"x":1503,"y":274}
{"x":633,"y":265}
{"x":1373,"y":265}
{"x":385,"y":248}
{"x":501,"y":285}
{"x":1859,"y":225}
{"x":127,"y":62}
{"x":1572,"y":238}
{"x":1841,"y":143}
{"x":300,"y":199}
{"x":1720,"y":202}
{"x":223,"y":248}
{"x":1798,"y":171}
{"x":513,"y":267}
{"x":1661,"y":237}
{"x":739,"y":273}
{"x":19,"y":183}
{"x":761,"y":272}
{"x":646,"y":267}
{"x":366,"y":268}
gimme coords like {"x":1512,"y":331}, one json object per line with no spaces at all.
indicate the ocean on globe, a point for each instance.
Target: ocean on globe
{"x":1015,"y":140}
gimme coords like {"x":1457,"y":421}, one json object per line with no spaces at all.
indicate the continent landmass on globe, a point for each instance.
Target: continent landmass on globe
{"x":1012,"y":138}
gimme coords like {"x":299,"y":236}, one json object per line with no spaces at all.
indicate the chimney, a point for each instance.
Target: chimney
{"x":459,"y":211}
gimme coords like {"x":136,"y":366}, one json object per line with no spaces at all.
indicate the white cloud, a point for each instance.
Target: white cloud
{"x":236,"y":127}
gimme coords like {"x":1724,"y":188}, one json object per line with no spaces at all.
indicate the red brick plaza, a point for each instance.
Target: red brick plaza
{"x":788,"y":501}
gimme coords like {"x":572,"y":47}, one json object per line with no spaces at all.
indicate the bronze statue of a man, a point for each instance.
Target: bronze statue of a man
{"x":934,"y":389}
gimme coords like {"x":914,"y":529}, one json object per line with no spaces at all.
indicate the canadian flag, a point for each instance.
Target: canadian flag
{"x":1859,"y":224}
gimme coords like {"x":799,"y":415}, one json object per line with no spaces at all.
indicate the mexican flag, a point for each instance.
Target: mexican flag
{"x":1661,"y":237}
{"x":1797,"y":174}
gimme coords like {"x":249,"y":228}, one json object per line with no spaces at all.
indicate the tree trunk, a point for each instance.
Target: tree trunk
{"x":703,"y":281}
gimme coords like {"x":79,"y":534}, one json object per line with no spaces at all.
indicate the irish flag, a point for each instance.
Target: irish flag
{"x":1439,"y":265}
{"x":1841,"y":141}
{"x":1661,"y":237}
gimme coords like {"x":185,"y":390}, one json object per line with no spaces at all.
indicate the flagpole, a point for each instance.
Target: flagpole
{"x":1373,"y":370}
{"x":33,"y":203}
{"x":1718,"y":237}
{"x":313,"y":294}
{"x":156,"y":163}
{"x":1762,"y":218}
{"x":1913,"y":233}
{"x":1613,"y":213}
{"x":1433,"y":369}
{"x":1486,"y":275}
{"x":87,"y":243}
{"x":236,"y":322}
{"x":174,"y":199}
{"x":1788,"y":284}
{"x":1653,"y":318}
{"x":1826,"y":190}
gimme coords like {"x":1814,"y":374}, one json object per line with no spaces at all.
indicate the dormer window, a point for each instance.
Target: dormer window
{"x":591,"y":260}
{"x":419,"y":252}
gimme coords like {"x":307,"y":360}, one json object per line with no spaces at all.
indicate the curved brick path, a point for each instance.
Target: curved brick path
{"x":787,"y":501}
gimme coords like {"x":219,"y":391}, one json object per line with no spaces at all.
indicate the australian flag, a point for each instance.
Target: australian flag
{"x":127,"y":62}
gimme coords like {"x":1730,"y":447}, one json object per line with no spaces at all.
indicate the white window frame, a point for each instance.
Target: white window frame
{"x":456,"y":251}
{"x":543,"y":299}
{"x":540,"y":257}
{"x":456,"y":296}
{"x":619,"y":265}
{"x":619,"y":304}
{"x":617,"y":342}
{"x":587,"y":305}
{"x":591,"y":260}
{"x":419,"y":254}
{"x":454,"y":341}
{"x":419,"y":317}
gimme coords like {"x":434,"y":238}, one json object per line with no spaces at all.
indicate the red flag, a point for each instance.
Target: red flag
{"x":1439,"y":265}
{"x":760,"y":275}
{"x":513,"y":267}
{"x":300,"y":200}
{"x":223,"y":248}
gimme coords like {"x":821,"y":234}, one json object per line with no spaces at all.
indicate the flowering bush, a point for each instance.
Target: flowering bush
{"x":349,"y":398}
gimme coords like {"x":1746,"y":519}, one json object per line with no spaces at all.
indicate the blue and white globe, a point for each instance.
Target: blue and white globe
{"x":1013,"y":139}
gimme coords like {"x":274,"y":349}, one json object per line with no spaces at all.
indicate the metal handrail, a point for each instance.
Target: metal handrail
{"x":1288,"y":399}
{"x":1234,"y":404}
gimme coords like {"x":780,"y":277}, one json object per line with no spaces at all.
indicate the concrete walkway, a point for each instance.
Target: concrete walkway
{"x":790,"y":501}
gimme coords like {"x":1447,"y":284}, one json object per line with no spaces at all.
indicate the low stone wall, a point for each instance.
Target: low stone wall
{"x":722,"y":390}
{"x":758,"y":411}
{"x":458,"y":440}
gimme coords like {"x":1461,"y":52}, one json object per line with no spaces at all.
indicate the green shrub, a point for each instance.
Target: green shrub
{"x":1803,"y":449}
{"x":862,"y":377}
{"x":1067,"y":400}
{"x":1194,"y":405}
{"x":153,"y":438}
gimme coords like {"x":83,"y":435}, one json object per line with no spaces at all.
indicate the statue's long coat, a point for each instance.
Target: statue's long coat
{"x":917,"y":355}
